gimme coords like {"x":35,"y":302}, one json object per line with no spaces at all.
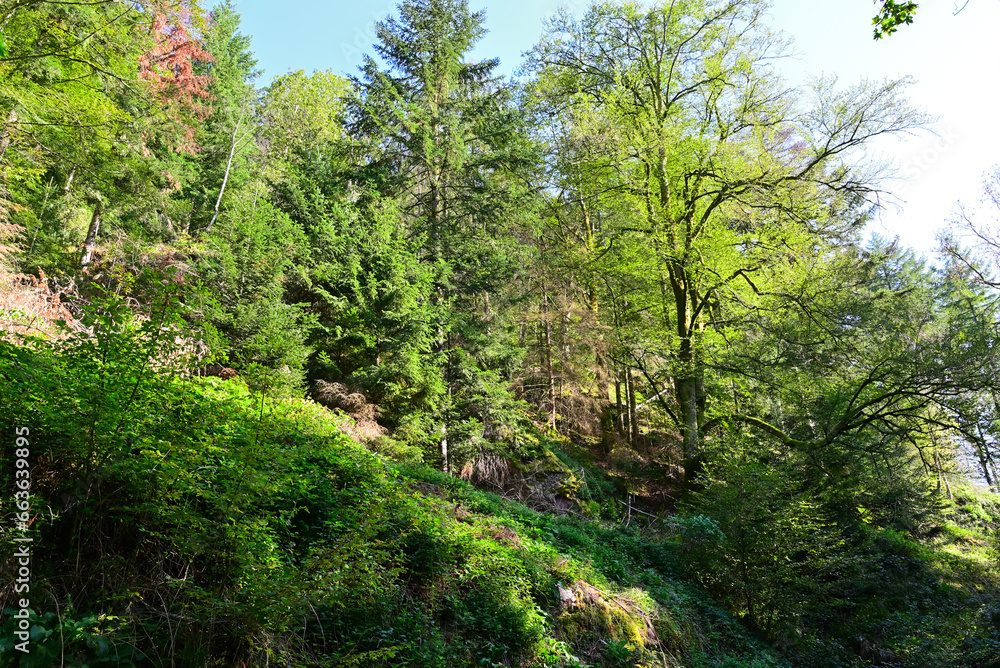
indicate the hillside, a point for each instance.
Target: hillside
{"x":191,"y":522}
{"x":598,"y":365}
{"x":219,"y":530}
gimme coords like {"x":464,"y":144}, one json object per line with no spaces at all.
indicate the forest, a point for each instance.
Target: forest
{"x":592,"y":366}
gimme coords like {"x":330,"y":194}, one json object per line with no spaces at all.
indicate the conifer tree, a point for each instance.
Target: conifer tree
{"x":446,"y":140}
{"x":226,"y":139}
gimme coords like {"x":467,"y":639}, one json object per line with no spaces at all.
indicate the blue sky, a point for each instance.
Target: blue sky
{"x":955,"y":60}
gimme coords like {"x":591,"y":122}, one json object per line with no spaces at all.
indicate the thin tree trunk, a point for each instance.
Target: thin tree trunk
{"x":548,"y":361}
{"x":88,"y":243}
{"x":633,"y":414}
{"x":618,"y":401}
{"x":937,"y":468}
{"x":7,"y":131}
{"x":229,"y":165}
{"x":942,"y":474}
{"x":993,"y":467}
{"x":444,"y":448}
{"x":630,"y":427}
{"x":983,"y":455}
{"x":442,"y":348}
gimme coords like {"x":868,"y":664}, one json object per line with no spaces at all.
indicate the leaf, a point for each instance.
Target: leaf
{"x":3,"y":48}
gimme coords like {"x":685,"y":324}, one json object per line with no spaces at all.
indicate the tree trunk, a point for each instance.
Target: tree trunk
{"x":942,"y":474}
{"x":548,"y":362}
{"x":687,"y":397}
{"x":618,"y":401}
{"x":983,"y":456}
{"x":444,"y":448}
{"x":88,"y":243}
{"x":633,"y":416}
{"x":229,"y":164}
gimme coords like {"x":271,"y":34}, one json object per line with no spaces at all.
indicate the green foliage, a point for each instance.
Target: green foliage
{"x":244,"y":269}
{"x":772,"y":552}
{"x":225,"y":138}
{"x":95,"y":386}
{"x":700,"y":210}
{"x":674,"y":228}
{"x":892,"y":15}
{"x":445,"y":139}
{"x":78,"y":643}
{"x":754,"y":540}
{"x":369,"y":292}
{"x":304,"y":115}
{"x":243,"y":525}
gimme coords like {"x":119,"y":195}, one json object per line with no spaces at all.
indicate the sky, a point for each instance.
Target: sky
{"x":954,"y":59}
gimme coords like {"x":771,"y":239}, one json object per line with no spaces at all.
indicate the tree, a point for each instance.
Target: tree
{"x":226,"y":138}
{"x":363,"y":281}
{"x":858,"y":367}
{"x":245,"y":270}
{"x":89,"y":92}
{"x":891,"y":15}
{"x":303,"y":115}
{"x":971,"y":246}
{"x":720,"y":183}
{"x":443,"y":135}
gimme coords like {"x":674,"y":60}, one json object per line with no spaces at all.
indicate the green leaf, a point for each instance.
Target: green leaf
{"x":3,"y":48}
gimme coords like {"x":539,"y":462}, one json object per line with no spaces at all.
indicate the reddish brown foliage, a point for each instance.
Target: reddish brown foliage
{"x":29,"y":306}
{"x":169,"y":66}
{"x":361,"y":424}
{"x":8,"y":233}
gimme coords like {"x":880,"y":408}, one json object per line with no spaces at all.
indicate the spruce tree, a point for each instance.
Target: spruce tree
{"x":445,"y":140}
{"x":226,"y":139}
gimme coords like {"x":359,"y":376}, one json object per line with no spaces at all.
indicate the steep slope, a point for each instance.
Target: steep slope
{"x":190,"y":522}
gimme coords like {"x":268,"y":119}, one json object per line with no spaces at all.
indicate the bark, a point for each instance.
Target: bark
{"x":88,"y":243}
{"x":444,"y":448}
{"x":942,"y":475}
{"x":983,"y":456}
{"x":633,"y":417}
{"x":548,"y":362}
{"x":686,"y":397}
{"x":7,"y":131}
{"x":627,"y":415}
{"x":445,"y":463}
{"x":434,"y":216}
{"x":618,"y":401}
{"x":229,"y":165}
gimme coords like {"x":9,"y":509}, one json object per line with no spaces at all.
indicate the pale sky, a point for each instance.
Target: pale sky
{"x":955,"y":60}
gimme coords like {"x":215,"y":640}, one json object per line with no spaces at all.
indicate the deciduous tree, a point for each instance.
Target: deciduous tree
{"x":725,"y":177}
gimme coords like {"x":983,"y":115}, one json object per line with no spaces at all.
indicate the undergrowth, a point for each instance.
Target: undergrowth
{"x":196,"y":523}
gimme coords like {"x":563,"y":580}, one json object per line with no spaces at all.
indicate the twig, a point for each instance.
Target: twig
{"x":631,"y":508}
